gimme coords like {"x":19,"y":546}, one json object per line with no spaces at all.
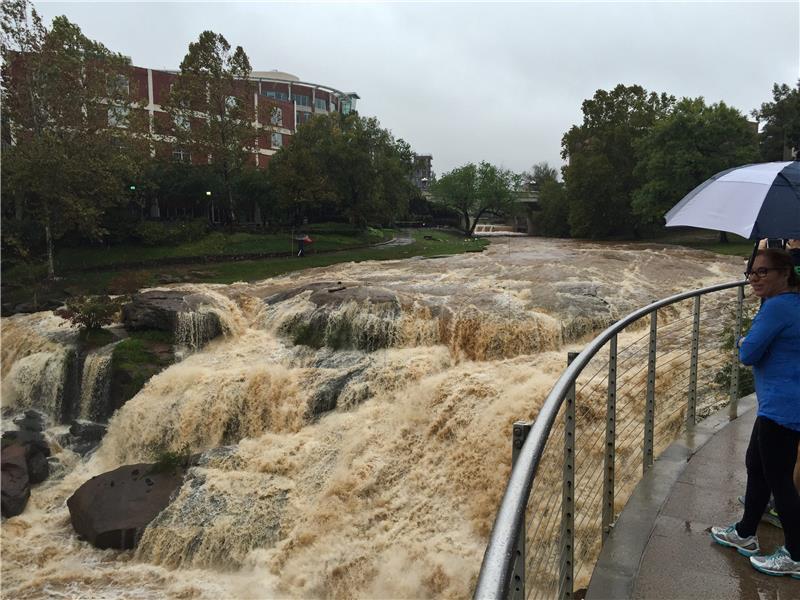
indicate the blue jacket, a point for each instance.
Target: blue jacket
{"x":772,"y":346}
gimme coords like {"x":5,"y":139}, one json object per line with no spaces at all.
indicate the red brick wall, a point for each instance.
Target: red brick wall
{"x":138,"y":84}
{"x":161,"y":83}
{"x":277,"y":87}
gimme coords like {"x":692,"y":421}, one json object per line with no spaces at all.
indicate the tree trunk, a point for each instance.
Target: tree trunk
{"x":723,"y":237}
{"x":467,"y":226}
{"x":475,"y":223}
{"x":231,"y":207}
{"x":51,"y":271}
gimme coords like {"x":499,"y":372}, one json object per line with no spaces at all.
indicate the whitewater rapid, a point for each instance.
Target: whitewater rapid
{"x":367,"y":464}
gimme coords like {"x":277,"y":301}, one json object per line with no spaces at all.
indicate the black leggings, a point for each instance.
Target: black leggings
{"x":770,"y":461}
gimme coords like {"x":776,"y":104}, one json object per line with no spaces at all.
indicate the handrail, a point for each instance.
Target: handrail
{"x":498,"y":560}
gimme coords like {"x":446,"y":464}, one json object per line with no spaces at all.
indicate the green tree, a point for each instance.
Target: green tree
{"x":253,"y":188}
{"x":541,"y":172}
{"x":212,"y":112}
{"x":474,"y":191}
{"x":600,"y":177}
{"x":683,"y":149}
{"x":781,"y":131}
{"x":300,"y":171}
{"x":372,"y":172}
{"x":70,"y":124}
{"x":553,"y":214}
{"x":344,"y":166}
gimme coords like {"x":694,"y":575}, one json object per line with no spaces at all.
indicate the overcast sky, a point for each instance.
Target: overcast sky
{"x":465,"y":82}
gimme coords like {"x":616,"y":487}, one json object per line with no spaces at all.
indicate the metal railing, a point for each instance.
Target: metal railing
{"x":571,"y":476}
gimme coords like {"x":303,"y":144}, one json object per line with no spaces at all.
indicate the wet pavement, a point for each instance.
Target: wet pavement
{"x":661,"y":547}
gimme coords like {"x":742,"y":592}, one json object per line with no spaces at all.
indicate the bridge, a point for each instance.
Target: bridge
{"x":637,"y":450}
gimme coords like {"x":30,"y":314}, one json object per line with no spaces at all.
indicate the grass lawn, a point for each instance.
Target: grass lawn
{"x":709,"y":240}
{"x":115,"y":280}
{"x":215,"y":244}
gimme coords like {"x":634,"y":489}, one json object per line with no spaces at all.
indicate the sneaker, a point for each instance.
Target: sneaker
{"x":779,"y":563}
{"x":727,"y":536}
{"x":770,"y":514}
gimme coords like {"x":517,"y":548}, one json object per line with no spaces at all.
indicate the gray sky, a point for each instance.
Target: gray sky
{"x":465,"y":82}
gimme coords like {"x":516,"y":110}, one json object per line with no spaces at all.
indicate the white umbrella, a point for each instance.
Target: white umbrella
{"x":754,"y":201}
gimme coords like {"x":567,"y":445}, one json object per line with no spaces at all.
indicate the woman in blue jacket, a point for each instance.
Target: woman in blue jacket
{"x":772,"y":347}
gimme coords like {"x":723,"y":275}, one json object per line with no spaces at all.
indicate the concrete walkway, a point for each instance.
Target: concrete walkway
{"x":661,"y":548}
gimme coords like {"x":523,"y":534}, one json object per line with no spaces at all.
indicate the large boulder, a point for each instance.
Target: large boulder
{"x":16,"y":488}
{"x":83,"y":436}
{"x":31,"y":420}
{"x":36,"y":449}
{"x":159,"y":309}
{"x":325,"y":323}
{"x":112,"y":510}
{"x":155,"y":309}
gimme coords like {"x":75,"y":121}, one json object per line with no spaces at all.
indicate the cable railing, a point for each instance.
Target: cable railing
{"x":606,"y":420}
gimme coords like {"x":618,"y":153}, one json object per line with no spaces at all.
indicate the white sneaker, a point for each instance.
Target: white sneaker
{"x":779,"y":563}
{"x":727,"y":536}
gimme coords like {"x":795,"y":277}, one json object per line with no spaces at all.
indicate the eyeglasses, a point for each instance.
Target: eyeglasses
{"x":762,"y":271}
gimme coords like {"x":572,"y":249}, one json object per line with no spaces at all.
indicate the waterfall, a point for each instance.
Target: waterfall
{"x":193,"y":329}
{"x":39,"y":381}
{"x":352,"y":423}
{"x":96,"y":384}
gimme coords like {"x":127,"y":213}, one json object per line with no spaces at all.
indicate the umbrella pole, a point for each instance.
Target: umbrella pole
{"x":752,"y":256}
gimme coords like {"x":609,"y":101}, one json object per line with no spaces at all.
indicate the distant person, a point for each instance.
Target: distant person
{"x":301,"y":244}
{"x":772,"y":347}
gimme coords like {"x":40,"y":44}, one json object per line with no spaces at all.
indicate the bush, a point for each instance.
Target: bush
{"x":156,"y":233}
{"x":90,"y":312}
{"x":169,"y":462}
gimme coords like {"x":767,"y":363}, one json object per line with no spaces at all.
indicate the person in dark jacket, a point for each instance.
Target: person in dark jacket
{"x":772,"y":347}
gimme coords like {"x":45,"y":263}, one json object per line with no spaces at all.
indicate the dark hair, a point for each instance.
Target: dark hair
{"x":781,"y":259}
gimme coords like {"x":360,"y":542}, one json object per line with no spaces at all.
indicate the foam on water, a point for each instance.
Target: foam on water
{"x":367,"y":464}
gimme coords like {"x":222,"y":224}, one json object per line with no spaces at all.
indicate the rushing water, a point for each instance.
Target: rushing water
{"x":354,"y":422}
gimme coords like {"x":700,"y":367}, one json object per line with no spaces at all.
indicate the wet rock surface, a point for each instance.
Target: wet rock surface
{"x":25,"y":456}
{"x":83,"y":436}
{"x":111,"y":510}
{"x":16,"y":487}
{"x":214,"y":520}
{"x":159,"y":309}
{"x":36,"y":450}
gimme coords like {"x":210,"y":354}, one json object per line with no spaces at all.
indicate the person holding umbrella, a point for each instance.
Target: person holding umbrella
{"x":772,"y":347}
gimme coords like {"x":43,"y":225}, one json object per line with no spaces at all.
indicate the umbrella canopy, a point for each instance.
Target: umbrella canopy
{"x":754,"y":201}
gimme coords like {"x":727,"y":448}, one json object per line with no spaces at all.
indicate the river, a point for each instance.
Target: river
{"x":367,"y":464}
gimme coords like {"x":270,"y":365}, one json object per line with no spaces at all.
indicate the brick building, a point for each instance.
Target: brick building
{"x":294,"y":103}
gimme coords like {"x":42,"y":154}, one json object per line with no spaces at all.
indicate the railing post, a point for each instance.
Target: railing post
{"x":610,"y":454}
{"x":517,"y":587}
{"x":650,"y":407}
{"x":737,"y":331}
{"x":568,"y":493}
{"x":691,"y":409}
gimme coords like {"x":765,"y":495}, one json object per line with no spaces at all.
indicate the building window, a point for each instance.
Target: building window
{"x":320,"y":104}
{"x":181,"y":155}
{"x":276,"y":118}
{"x":303,"y":116}
{"x":277,"y":95}
{"x":301,"y":99}
{"x":118,"y":116}
{"x":277,"y":140}
{"x":230,"y":102}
